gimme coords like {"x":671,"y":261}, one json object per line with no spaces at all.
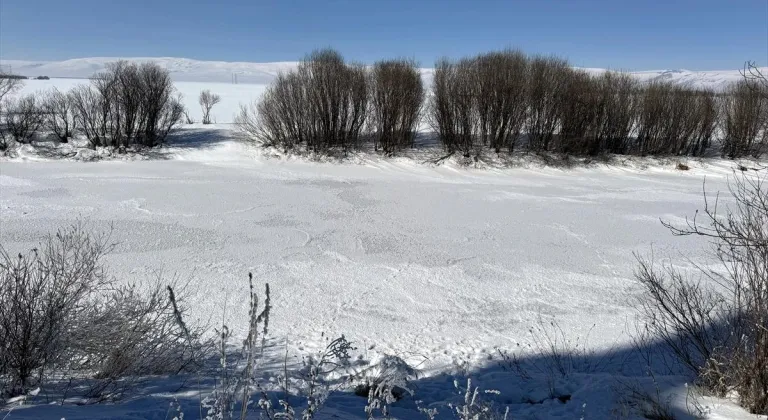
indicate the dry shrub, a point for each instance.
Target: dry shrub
{"x":144,"y":338}
{"x":717,"y":325}
{"x":501,"y":97}
{"x":453,"y":113}
{"x":43,"y":296}
{"x":745,"y":115}
{"x":128,"y":104}
{"x":207,"y":100}
{"x":59,"y":114}
{"x":580,"y":109}
{"x":322,"y":105}
{"x":547,"y":84}
{"x":674,"y":120}
{"x":617,"y":116}
{"x":62,"y":315}
{"x":397,"y":94}
{"x":23,"y":117}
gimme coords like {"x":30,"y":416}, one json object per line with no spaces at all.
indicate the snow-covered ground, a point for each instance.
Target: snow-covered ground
{"x":438,"y":265}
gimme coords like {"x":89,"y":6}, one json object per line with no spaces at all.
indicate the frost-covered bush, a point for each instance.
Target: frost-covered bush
{"x":61,"y":314}
{"x":718,"y":329}
{"x":43,"y":296}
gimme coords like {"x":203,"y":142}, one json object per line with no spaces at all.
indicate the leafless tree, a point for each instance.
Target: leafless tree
{"x":745,"y":115}
{"x":23,"y":117}
{"x":717,"y":324}
{"x":397,"y":94}
{"x":9,"y":84}
{"x":672,"y":119}
{"x":281,"y":118}
{"x":87,"y":105}
{"x":501,"y":97}
{"x":580,"y":111}
{"x":59,"y":114}
{"x":322,"y":105}
{"x":453,"y":111}
{"x":207,"y":100}
{"x":548,"y":79}
{"x":128,"y":104}
{"x":616,"y":119}
{"x":338,"y":100}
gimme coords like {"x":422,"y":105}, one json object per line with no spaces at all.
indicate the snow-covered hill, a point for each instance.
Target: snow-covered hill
{"x":188,"y":70}
{"x":182,"y":69}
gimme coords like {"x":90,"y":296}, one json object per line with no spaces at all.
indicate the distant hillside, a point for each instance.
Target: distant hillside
{"x":187,"y":70}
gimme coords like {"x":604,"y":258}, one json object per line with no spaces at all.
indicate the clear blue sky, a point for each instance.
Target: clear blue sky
{"x":619,"y":34}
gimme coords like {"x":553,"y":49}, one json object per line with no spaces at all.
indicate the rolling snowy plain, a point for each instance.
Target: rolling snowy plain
{"x":439,"y":265}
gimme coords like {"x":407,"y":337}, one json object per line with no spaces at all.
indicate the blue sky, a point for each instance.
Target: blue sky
{"x":619,"y":34}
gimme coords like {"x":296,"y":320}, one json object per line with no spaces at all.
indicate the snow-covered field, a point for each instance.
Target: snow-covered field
{"x":438,"y":265}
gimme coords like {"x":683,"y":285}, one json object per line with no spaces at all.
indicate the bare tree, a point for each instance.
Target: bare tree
{"x":87,"y":106}
{"x":207,"y":100}
{"x":616,"y":120}
{"x":59,"y":114}
{"x":501,"y":97}
{"x":338,"y":100}
{"x":397,"y":94}
{"x":580,"y":110}
{"x":548,"y":80}
{"x":128,"y":104}
{"x":9,"y":84}
{"x":745,"y":115}
{"x":453,"y":111}
{"x":23,"y":117}
{"x":322,"y":105}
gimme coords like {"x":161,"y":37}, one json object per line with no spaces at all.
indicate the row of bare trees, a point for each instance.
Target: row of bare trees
{"x":502,"y":99}
{"x":127,"y":104}
{"x":328,"y":103}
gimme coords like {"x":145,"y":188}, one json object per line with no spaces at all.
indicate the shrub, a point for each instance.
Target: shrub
{"x":322,"y":105}
{"x":616,"y":117}
{"x":745,"y":114}
{"x":337,"y":96}
{"x":42,"y":297}
{"x":59,"y":114}
{"x":207,"y":100}
{"x":9,"y":84}
{"x":453,"y":112}
{"x":501,"y":97}
{"x":580,"y":110}
{"x":89,"y":112}
{"x":719,"y":330}
{"x":397,"y":94}
{"x":128,"y":104}
{"x":674,"y":120}
{"x":23,"y":117}
{"x":547,"y":83}
{"x":144,"y":338}
{"x":60,"y":314}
